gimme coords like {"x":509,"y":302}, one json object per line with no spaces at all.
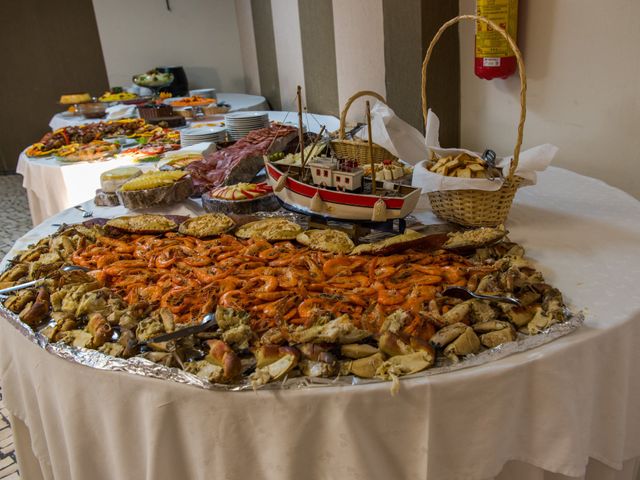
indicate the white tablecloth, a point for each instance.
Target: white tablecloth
{"x":52,"y":186}
{"x":550,"y":409}
{"x":237,"y":101}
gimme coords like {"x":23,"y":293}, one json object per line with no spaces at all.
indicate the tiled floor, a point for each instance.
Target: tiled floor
{"x":15,"y":221}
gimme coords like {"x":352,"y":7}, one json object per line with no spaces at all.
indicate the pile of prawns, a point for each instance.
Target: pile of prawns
{"x":276,"y":283}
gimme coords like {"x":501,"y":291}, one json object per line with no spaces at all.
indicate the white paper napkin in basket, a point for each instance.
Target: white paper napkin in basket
{"x":394,"y":134}
{"x":533,"y":160}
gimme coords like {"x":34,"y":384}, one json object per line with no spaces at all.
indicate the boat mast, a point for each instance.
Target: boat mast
{"x":373,"y":170}
{"x":300,"y":132}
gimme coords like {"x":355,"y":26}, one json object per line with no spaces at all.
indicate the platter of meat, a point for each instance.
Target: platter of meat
{"x":241,"y":161}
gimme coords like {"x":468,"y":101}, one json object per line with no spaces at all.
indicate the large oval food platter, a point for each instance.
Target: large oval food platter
{"x":289,"y":306}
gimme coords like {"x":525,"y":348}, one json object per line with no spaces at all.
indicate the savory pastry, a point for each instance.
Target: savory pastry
{"x":326,"y":240}
{"x":369,"y":248}
{"x":208,"y":225}
{"x":477,"y":237}
{"x":143,"y":224}
{"x":270,"y":229}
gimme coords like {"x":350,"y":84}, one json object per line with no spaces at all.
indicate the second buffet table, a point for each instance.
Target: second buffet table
{"x":52,"y":186}
{"x":568,"y":407}
{"x":238,"y":102}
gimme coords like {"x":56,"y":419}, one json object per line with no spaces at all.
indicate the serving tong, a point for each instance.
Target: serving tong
{"x":465,"y":294}
{"x":39,"y":281}
{"x":85,"y":213}
{"x":208,"y":321}
{"x":493,"y":172}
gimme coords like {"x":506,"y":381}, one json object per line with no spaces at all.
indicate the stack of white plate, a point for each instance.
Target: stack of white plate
{"x":239,"y":124}
{"x":191,"y":136}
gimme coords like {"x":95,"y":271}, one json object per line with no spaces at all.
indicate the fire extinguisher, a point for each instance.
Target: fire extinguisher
{"x":494,"y":58}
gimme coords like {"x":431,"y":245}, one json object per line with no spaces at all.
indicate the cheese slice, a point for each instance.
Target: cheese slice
{"x":111,"y":180}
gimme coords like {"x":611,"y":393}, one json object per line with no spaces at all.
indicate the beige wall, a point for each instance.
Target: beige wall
{"x":200,"y":35}
{"x":583,"y":71}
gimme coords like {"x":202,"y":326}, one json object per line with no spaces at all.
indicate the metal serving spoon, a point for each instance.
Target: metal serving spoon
{"x":465,"y":294}
{"x":85,"y":213}
{"x":34,"y":283}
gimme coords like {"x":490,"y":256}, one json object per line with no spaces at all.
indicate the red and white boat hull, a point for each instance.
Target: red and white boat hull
{"x":336,"y":204}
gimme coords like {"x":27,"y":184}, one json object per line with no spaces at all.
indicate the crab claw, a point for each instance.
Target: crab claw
{"x":467,"y":343}
{"x":498,"y":337}
{"x":405,"y":365}
{"x":490,"y":326}
{"x":366,"y":367}
{"x":222,"y":355}
{"x":311,"y":351}
{"x":457,"y":314}
{"x":318,"y":361}
{"x":39,"y":310}
{"x":448,"y":334}
{"x":540,"y":321}
{"x":273,"y":363}
{"x":358,"y":350}
{"x":99,"y":328}
{"x":312,"y":368}
{"x":393,"y":344}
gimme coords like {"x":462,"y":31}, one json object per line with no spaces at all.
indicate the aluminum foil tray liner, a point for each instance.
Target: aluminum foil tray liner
{"x":143,"y":367}
{"x":146,"y":368}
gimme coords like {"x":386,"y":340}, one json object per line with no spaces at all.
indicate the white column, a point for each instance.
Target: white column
{"x":286,"y":30}
{"x":359,"y":35}
{"x":248,"y":46}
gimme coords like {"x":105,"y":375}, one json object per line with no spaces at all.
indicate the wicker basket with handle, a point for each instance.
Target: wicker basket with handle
{"x":357,"y":149}
{"x":478,"y":207}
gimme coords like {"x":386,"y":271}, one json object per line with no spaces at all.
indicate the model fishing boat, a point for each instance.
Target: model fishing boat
{"x":337,"y":188}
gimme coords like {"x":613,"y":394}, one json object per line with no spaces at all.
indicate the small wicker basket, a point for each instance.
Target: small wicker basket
{"x":357,"y":149}
{"x":476,"y":208}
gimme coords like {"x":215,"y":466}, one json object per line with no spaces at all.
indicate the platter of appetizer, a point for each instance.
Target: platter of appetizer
{"x":237,"y":302}
{"x":193,"y":101}
{"x":52,"y":142}
{"x":241,"y":198}
{"x":91,"y":152}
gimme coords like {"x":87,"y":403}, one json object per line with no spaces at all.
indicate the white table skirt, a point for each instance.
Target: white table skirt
{"x":52,"y":186}
{"x":550,"y":409}
{"x":237,"y":101}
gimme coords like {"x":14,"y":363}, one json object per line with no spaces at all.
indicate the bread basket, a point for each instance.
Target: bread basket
{"x":357,"y":149}
{"x":477,"y":208}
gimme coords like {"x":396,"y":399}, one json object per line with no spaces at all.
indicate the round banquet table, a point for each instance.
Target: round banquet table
{"x":567,"y":409}
{"x":53,"y":186}
{"x":237,"y":101}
